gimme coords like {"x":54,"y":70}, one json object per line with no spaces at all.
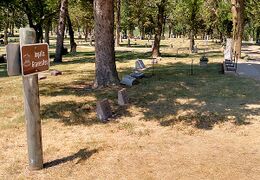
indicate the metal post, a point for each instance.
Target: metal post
{"x":32,"y":109}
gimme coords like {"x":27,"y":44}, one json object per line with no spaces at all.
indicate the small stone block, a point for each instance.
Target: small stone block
{"x":42,"y":76}
{"x":56,"y":73}
{"x":103,"y":110}
{"x":122,"y":97}
{"x":137,"y":75}
{"x":128,"y":80}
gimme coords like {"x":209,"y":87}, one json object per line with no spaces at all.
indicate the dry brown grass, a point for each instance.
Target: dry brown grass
{"x":177,"y":126}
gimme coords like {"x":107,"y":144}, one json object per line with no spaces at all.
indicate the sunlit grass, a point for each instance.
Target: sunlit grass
{"x":171,"y":95}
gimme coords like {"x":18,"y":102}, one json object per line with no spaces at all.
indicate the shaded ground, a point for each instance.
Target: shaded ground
{"x":250,"y":66}
{"x":177,"y":126}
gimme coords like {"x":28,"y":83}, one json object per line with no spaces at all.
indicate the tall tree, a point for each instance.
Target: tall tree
{"x":238,"y":8}
{"x":47,"y":26}
{"x":60,"y":31}
{"x":118,"y":20}
{"x":194,"y":8}
{"x":158,"y":31}
{"x":105,"y":70}
{"x":73,"y":45}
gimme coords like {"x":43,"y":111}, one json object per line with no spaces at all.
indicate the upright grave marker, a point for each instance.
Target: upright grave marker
{"x":13,"y":59}
{"x":104,"y":110}
{"x":122,"y":97}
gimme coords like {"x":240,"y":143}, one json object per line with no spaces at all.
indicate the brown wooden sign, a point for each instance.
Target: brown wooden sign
{"x":34,"y":58}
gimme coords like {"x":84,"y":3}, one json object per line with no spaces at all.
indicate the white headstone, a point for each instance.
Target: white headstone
{"x":228,"y":49}
{"x":139,"y":65}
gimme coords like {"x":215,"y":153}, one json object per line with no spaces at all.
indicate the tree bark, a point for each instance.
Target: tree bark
{"x":73,"y":45}
{"x":6,"y":34}
{"x":238,"y":7}
{"x":60,"y":31}
{"x":86,"y":31}
{"x":192,"y":42}
{"x":118,"y":20}
{"x":128,"y":39}
{"x":158,"y":33}
{"x":142,"y":33}
{"x":47,"y":31}
{"x":170,"y":30}
{"x":105,"y":70}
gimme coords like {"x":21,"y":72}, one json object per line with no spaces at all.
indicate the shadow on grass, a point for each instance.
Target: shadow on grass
{"x":75,"y":113}
{"x":70,"y":112}
{"x":89,"y":57}
{"x":148,"y":45}
{"x":211,"y":53}
{"x":180,"y":55}
{"x":124,"y":56}
{"x":3,"y":70}
{"x":172,"y":95}
{"x":202,"y":100}
{"x":81,"y":155}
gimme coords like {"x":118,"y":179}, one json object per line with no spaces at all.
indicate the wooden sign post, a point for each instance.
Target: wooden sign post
{"x":32,"y":108}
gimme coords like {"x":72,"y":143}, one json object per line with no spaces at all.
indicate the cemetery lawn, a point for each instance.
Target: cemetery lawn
{"x":177,"y":125}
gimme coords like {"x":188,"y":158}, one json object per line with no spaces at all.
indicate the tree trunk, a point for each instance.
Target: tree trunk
{"x":118,"y":19}
{"x":143,"y":33}
{"x":192,"y":42}
{"x":60,"y":31}
{"x":157,"y":39}
{"x":221,"y":37}
{"x":86,"y":33}
{"x":47,"y":32}
{"x":128,"y":40}
{"x":105,"y":70}
{"x":192,"y":21}
{"x":12,"y":29}
{"x":51,"y":29}
{"x":170,"y":30}
{"x":6,"y":34}
{"x":238,"y":7}
{"x":73,"y":45}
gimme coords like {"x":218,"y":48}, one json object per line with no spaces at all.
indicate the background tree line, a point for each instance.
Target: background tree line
{"x":144,"y":19}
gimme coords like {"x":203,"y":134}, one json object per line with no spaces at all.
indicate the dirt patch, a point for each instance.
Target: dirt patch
{"x":136,"y":149}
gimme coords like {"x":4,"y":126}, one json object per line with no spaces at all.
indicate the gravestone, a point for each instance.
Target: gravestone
{"x":128,"y":80}
{"x":137,"y":75}
{"x":42,"y":76}
{"x":228,"y":49}
{"x":2,"y":59}
{"x":195,"y":49}
{"x":122,"y":97}
{"x":139,"y":65}
{"x":56,"y":73}
{"x":103,"y":110}
{"x":13,"y":59}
